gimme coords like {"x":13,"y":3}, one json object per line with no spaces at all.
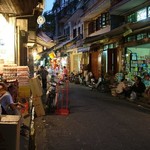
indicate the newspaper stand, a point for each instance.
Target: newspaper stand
{"x":62,"y":105}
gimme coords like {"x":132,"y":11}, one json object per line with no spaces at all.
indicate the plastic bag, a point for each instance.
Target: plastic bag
{"x":133,"y":95}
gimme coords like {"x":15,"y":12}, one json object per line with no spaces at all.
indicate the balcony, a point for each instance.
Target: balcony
{"x":119,"y":7}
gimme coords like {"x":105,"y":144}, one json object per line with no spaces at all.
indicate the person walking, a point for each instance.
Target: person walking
{"x":43,"y":74}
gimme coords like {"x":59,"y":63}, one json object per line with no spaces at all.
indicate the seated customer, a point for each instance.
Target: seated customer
{"x":7,"y":103}
{"x":121,"y":87}
{"x":138,"y":87}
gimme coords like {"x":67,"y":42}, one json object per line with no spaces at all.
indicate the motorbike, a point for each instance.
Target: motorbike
{"x":50,"y":97}
{"x":95,"y":85}
{"x":52,"y":94}
{"x":101,"y":85}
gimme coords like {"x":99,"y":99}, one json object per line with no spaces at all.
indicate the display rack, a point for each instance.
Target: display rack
{"x":10,"y":72}
{"x":138,"y":66}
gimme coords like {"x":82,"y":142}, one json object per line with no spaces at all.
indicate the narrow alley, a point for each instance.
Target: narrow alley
{"x":97,"y":121}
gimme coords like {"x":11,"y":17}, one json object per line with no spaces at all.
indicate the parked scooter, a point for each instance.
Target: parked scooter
{"x":101,"y":85}
{"x":104,"y":86}
{"x":72,"y":77}
{"x":51,"y":95}
{"x":93,"y":85}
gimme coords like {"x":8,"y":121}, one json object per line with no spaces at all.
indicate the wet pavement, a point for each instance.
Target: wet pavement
{"x":97,"y":121}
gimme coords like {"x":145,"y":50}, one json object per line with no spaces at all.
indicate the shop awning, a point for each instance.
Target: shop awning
{"x":60,"y":45}
{"x":48,"y":44}
{"x":33,"y":39}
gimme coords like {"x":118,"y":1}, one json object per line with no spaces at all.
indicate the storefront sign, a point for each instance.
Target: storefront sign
{"x":52,"y":55}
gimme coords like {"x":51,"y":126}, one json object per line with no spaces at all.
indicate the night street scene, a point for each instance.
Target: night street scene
{"x":75,"y":75}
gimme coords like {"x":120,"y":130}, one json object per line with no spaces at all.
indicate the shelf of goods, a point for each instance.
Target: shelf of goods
{"x":13,"y":73}
{"x":10,"y":72}
{"x":138,"y":66}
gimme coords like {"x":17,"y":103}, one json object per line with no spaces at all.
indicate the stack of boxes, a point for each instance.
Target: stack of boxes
{"x":37,"y":92}
{"x":10,"y":72}
{"x":23,"y":82}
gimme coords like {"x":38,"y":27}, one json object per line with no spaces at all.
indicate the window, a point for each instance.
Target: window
{"x":149,"y":11}
{"x":141,"y":14}
{"x":74,"y":33}
{"x":111,"y":46}
{"x":79,"y":31}
{"x":131,"y":38}
{"x":67,"y":32}
{"x":98,"y":24}
{"x":102,"y":21}
{"x":105,"y":47}
{"x":141,"y":36}
{"x":132,"y":18}
{"x":91,"y":27}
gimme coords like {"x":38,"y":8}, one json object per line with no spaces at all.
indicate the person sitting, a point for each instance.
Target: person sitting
{"x":9,"y":107}
{"x":138,"y":88}
{"x":121,"y":87}
{"x":7,"y":103}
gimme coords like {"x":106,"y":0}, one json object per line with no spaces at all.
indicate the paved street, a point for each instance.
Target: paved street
{"x":97,"y":121}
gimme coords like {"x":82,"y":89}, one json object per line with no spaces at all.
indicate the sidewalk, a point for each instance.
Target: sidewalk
{"x":24,"y":139}
{"x":142,"y":102}
{"x":27,"y":140}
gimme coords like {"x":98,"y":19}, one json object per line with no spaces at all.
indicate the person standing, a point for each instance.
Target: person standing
{"x":65,"y":72}
{"x":43,"y":74}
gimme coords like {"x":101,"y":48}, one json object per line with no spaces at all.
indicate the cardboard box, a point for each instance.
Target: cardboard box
{"x":10,"y":132}
{"x":35,"y":86}
{"x":39,"y":109}
{"x":24,"y":91}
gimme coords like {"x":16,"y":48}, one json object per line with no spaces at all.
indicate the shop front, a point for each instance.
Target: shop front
{"x":137,"y":57}
{"x":75,"y":59}
{"x":110,"y":59}
{"x":84,"y":63}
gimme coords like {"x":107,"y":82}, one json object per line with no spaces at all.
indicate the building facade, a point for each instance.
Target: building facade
{"x":103,"y":36}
